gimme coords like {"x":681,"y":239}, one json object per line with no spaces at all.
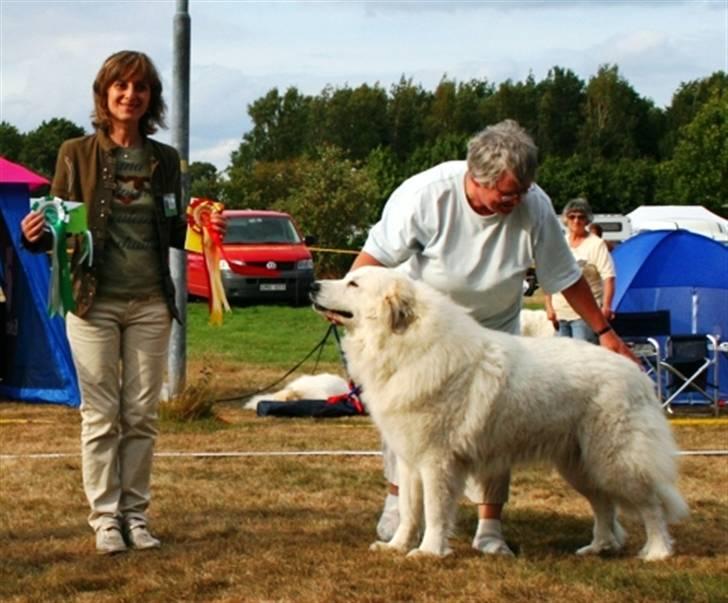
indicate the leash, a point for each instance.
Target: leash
{"x":318,"y":347}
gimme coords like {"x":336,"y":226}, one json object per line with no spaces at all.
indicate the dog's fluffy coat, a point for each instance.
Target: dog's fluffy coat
{"x":454,"y":399}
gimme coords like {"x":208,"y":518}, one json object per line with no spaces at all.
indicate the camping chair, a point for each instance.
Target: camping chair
{"x":640,"y":330}
{"x":692,"y":369}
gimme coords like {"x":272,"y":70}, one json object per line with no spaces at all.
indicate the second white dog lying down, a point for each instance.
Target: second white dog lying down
{"x":305,"y":387}
{"x":534,"y":323}
{"x":454,"y":399}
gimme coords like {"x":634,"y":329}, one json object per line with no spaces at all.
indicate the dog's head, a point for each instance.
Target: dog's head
{"x":368,"y":295}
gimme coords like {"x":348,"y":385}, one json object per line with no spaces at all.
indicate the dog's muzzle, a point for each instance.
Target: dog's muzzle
{"x":313,"y":292}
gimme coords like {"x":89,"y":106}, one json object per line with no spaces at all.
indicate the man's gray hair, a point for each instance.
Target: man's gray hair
{"x":579,"y":205}
{"x":502,"y":147}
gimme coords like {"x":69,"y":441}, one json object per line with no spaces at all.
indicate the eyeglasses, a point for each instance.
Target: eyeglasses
{"x":581,"y":217}
{"x":506,"y":196}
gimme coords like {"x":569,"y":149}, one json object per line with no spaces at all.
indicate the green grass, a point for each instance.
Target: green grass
{"x":273,"y":335}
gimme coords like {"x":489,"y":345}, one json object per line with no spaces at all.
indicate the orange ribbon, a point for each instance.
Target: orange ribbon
{"x":199,"y":220}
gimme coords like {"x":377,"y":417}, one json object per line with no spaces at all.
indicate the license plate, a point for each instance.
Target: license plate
{"x":273,"y":287}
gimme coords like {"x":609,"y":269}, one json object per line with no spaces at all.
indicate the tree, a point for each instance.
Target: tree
{"x":386,"y":172}
{"x":519,"y":101}
{"x":441,"y":117}
{"x":204,"y":180}
{"x":560,"y":113}
{"x":261,"y":184}
{"x":334,"y":200}
{"x":473,"y":111}
{"x":698,"y":171}
{"x":407,"y":108}
{"x":280,"y":127}
{"x":355,"y":120}
{"x":11,"y":141}
{"x":686,"y":102}
{"x":617,"y":122}
{"x":446,"y":148}
{"x":41,"y":145}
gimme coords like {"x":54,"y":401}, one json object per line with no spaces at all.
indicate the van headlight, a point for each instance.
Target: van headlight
{"x":304,"y":265}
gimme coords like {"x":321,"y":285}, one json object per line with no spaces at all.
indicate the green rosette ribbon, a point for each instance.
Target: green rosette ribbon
{"x":63,"y":218}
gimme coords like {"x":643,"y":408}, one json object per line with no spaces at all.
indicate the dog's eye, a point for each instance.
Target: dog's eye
{"x":351,"y":284}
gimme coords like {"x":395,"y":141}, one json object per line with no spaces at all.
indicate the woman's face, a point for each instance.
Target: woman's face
{"x":128,"y":100}
{"x":576,"y":222}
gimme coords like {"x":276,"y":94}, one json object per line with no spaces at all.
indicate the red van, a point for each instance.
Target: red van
{"x":266,"y":258}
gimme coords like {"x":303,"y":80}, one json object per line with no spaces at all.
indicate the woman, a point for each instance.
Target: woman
{"x":592,"y":256}
{"x":119,"y":330}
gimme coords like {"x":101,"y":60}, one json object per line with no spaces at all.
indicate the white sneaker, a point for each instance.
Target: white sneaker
{"x":489,"y":538}
{"x":109,"y":540}
{"x":389,"y":520}
{"x":139,"y":538}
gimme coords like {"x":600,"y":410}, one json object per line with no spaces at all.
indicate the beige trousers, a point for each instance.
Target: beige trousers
{"x":120,"y":352}
{"x":493,"y":490}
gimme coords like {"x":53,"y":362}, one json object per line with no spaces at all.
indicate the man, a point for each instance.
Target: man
{"x":472,"y":229}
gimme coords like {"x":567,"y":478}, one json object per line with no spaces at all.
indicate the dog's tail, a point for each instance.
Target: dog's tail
{"x":672,"y":501}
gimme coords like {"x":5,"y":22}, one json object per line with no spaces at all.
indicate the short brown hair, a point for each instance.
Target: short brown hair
{"x":120,"y":65}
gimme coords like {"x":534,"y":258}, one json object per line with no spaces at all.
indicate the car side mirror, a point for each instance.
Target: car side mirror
{"x":309,"y":240}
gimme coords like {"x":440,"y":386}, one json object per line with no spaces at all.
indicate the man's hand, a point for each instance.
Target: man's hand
{"x":611,"y":341}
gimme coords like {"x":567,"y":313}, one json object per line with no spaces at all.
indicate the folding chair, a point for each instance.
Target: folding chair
{"x":692,"y":369}
{"x":640,"y":331}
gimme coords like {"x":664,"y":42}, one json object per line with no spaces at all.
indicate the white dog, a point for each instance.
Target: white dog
{"x":305,"y":387}
{"x":455,"y":399}
{"x":535,"y":323}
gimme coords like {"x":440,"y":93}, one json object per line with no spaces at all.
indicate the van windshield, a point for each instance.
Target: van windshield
{"x":260,"y":230}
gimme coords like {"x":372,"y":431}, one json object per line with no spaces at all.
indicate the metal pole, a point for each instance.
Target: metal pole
{"x":177,"y":358}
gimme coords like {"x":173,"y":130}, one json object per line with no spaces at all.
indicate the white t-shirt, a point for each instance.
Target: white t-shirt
{"x":593,"y":258}
{"x":429,"y":231}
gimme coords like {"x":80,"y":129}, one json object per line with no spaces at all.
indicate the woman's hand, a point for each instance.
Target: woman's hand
{"x":33,"y":226}
{"x":218,"y":222}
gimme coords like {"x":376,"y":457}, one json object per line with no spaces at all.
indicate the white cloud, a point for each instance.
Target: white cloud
{"x":51,"y":50}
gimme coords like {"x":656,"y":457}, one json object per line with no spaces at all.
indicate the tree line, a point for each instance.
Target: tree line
{"x":332,"y":159}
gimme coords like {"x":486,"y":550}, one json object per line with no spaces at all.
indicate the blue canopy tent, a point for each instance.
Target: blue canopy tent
{"x":679,"y":271}
{"x":35,"y":358}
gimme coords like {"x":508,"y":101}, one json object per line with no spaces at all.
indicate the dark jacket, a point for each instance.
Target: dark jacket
{"x":86,"y":172}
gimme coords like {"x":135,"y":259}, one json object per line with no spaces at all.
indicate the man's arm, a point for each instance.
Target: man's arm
{"x":580,"y":298}
{"x":364,"y":259}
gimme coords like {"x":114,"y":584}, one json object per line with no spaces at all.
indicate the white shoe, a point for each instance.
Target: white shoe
{"x":139,"y":538}
{"x":109,"y":540}
{"x":489,"y":539}
{"x":389,"y":520}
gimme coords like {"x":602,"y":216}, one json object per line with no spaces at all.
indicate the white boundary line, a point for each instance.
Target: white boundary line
{"x":61,"y":455}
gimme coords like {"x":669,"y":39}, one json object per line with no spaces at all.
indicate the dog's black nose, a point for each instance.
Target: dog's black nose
{"x":314,"y":288}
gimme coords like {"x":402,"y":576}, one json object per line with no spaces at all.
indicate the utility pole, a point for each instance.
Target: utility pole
{"x":177,"y":357}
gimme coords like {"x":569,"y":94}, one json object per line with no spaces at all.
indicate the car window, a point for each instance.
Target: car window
{"x":261,"y":230}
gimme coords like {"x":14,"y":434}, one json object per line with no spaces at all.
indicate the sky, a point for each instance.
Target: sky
{"x":50,"y":50}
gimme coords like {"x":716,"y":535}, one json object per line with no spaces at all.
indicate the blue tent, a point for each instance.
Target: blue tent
{"x":35,"y":358}
{"x":679,"y":271}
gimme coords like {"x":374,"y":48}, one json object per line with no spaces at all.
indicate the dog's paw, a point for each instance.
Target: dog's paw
{"x":380,"y":545}
{"x":424,"y":553}
{"x":656,"y":552}
{"x":598,"y":548}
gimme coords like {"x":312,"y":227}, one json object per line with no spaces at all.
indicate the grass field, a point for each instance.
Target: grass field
{"x":297,"y":528}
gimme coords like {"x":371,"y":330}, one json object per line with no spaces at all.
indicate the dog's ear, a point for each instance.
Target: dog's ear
{"x":399,"y":303}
